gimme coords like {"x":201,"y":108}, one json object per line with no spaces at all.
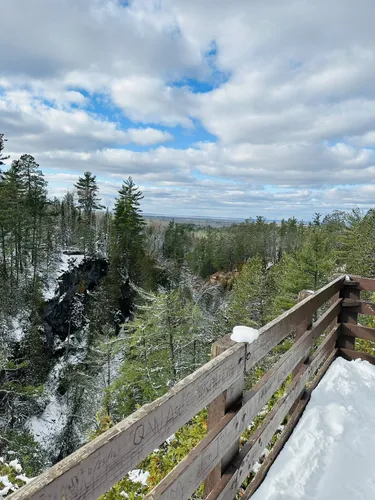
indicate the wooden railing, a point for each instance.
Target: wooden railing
{"x":218,"y":460}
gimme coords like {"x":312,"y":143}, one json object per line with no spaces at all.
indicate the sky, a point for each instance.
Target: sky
{"x":216,"y":108}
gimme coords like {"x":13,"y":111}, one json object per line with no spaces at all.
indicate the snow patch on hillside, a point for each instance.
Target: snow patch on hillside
{"x":64,"y":263}
{"x":139,"y":476}
{"x":51,"y":422}
{"x":332,"y":449}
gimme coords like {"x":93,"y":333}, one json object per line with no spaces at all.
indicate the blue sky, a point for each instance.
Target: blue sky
{"x":215,"y":108}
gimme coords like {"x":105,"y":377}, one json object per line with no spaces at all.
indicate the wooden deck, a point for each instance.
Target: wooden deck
{"x":218,"y":460}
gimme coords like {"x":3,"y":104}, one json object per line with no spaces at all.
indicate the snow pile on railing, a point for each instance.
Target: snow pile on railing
{"x":244,"y":334}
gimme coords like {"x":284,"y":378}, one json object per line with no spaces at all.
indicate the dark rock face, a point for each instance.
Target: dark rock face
{"x":80,"y":280}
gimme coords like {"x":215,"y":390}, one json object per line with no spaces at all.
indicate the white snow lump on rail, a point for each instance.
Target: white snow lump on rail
{"x":331,"y":452}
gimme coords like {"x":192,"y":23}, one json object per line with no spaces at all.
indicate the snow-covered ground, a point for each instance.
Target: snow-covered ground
{"x":65,"y":262}
{"x":54,"y":417}
{"x":331,"y":452}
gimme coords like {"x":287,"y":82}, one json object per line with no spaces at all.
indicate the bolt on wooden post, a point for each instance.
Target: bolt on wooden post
{"x":216,"y":411}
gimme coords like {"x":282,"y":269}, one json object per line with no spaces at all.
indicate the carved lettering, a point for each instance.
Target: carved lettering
{"x":157,"y":426}
{"x":139,"y":434}
{"x":170,"y":415}
{"x":177,"y":491}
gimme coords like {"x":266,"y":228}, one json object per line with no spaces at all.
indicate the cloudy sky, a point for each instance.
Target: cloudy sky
{"x":215,"y":107}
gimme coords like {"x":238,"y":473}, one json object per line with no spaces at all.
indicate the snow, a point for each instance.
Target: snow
{"x":139,"y":476}
{"x":24,"y":478}
{"x":17,"y":330}
{"x":332,"y":449}
{"x":244,"y":334}
{"x":16,"y":465}
{"x":8,"y":486}
{"x":171,"y":438}
{"x":66,"y":262}
{"x":52,"y":421}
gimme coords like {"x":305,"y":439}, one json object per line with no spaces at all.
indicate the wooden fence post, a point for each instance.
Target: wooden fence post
{"x":350,"y":290}
{"x":302,"y":327}
{"x":216,"y":411}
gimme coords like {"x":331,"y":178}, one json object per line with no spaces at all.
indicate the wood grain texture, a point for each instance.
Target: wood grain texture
{"x":353,"y":307}
{"x":351,"y":293}
{"x":237,"y":472}
{"x":185,"y":478}
{"x":358,"y":331}
{"x":301,"y":328}
{"x":96,"y":467}
{"x":275,"y":331}
{"x":350,"y":355}
{"x":217,"y":410}
{"x":293,"y":421}
{"x":365,"y":283}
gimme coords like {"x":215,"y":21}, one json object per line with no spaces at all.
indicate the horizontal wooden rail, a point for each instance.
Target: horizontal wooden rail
{"x":96,"y":467}
{"x":233,"y":478}
{"x":292,"y":422}
{"x":359,"y":306}
{"x":350,"y":355}
{"x":186,"y":477}
{"x":276,"y":331}
{"x":366,"y":284}
{"x":358,"y":331}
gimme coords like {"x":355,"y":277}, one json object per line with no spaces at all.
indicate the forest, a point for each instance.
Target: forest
{"x":104,"y":310}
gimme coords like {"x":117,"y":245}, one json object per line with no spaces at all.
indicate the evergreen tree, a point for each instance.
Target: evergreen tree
{"x":87,"y":189}
{"x":35,"y":204}
{"x":252,"y":300}
{"x":127,"y":252}
{"x":310,"y":267}
{"x":358,"y":244}
{"x":2,"y":157}
{"x":88,"y":202}
{"x":163,"y":344}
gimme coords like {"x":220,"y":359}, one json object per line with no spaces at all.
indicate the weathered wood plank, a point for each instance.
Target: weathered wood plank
{"x":217,"y":409}
{"x":367,"y":284}
{"x":235,"y":475}
{"x":96,"y":467}
{"x":305,"y":325}
{"x":355,"y":306}
{"x":293,"y":421}
{"x":185,"y":478}
{"x":275,"y":331}
{"x":358,"y":331}
{"x":350,"y":293}
{"x":350,"y":355}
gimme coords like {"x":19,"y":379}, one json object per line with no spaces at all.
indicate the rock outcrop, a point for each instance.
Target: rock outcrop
{"x":77,"y":281}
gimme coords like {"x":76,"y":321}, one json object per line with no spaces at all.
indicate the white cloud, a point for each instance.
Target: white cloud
{"x":147,"y":136}
{"x":292,"y":104}
{"x":147,"y":99}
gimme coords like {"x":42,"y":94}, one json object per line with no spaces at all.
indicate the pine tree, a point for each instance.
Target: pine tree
{"x":310,"y":267}
{"x":87,"y":189}
{"x":162,"y":345}
{"x":127,"y":251}
{"x":2,"y":157}
{"x":35,"y":204}
{"x":88,"y":202}
{"x":358,"y":243}
{"x":253,"y":295}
